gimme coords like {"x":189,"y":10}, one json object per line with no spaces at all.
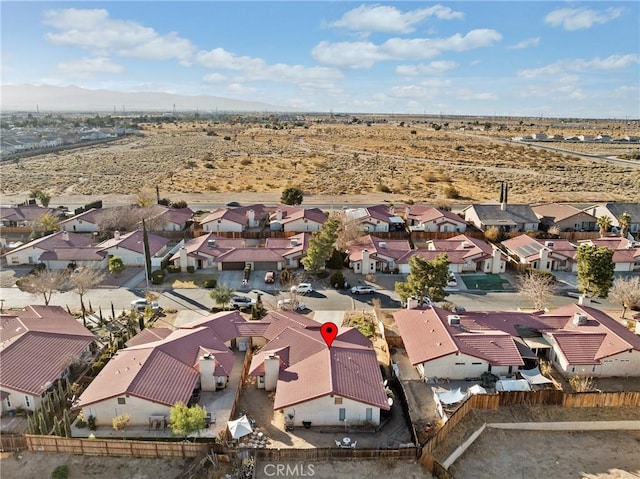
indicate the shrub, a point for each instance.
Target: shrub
{"x":157,"y":276}
{"x":210,"y":283}
{"x":60,"y":472}
{"x":172,"y":268}
{"x":383,"y":188}
{"x":97,"y":366}
{"x":337,"y":280}
{"x":451,"y":192}
{"x":336,"y":261}
{"x":191,"y":269}
{"x":91,"y":420}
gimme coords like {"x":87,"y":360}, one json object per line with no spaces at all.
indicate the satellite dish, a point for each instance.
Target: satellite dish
{"x":390,"y":401}
{"x":385,"y":383}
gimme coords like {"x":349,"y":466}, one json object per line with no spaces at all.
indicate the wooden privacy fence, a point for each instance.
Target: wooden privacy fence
{"x":327,"y":453}
{"x":12,"y":443}
{"x":113,"y":447}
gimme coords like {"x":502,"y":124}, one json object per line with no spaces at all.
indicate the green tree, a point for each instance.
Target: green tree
{"x":321,"y":245}
{"x":221,"y":294}
{"x":291,"y":196}
{"x":625,"y":223}
{"x":67,"y":422}
{"x":186,"y":420}
{"x":604,"y":223}
{"x":116,"y":265}
{"x":426,"y":277}
{"x":595,"y":270}
{"x":626,"y":292}
{"x":147,"y":254}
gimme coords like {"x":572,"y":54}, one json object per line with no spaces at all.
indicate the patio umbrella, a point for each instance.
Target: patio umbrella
{"x":240,"y":427}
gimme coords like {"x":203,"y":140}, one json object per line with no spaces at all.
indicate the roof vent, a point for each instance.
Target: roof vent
{"x":466,"y":244}
{"x":206,"y":356}
{"x":383,"y":245}
{"x":548,"y":244}
{"x":211,"y":243}
{"x":294,"y":241}
{"x":579,"y":319}
{"x":453,"y":320}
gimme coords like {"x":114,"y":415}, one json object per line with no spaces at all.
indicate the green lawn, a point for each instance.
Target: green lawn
{"x":485,"y":282}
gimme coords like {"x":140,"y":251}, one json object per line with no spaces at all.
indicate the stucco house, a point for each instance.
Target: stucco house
{"x":57,"y":250}
{"x":296,"y":219}
{"x":165,"y":218}
{"x":130,"y":247}
{"x":469,"y":254}
{"x":430,"y":219}
{"x":578,"y":340}
{"x":626,"y":253}
{"x":39,"y":343}
{"x":615,"y":211}
{"x":25,"y":215}
{"x":542,"y":255}
{"x":202,"y":252}
{"x":506,"y":217}
{"x":85,"y":222}
{"x":375,"y":219}
{"x":159,"y":368}
{"x":564,"y":217}
{"x":337,"y":386}
{"x":371,"y":254}
{"x":236,"y":220}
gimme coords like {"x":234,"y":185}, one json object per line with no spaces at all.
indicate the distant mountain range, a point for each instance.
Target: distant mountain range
{"x":53,"y":98}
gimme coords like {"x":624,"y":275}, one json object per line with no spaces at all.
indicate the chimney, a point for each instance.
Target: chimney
{"x":65,"y":236}
{"x":279,"y":215}
{"x":251,"y":216}
{"x":365,"y":261}
{"x":413,"y":302}
{"x":271,"y":372}
{"x":207,"y":364}
{"x":183,"y":259}
{"x":116,"y":235}
{"x":544,"y":259}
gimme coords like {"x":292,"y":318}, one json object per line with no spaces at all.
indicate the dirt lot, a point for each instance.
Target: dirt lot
{"x":349,"y":470}
{"x":393,"y":160}
{"x":30,"y":465}
{"x":534,"y":454}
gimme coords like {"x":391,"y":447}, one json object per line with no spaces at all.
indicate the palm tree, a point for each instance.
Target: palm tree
{"x":625,"y":222}
{"x":604,"y":223}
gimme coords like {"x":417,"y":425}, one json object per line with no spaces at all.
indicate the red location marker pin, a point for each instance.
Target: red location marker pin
{"x":329,"y":332}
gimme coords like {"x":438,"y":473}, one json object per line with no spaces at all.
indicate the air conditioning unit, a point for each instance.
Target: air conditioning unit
{"x":382,"y":245}
{"x":211,"y":243}
{"x":453,"y":320}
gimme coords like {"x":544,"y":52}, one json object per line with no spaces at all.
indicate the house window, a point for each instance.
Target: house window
{"x":368,"y":414}
{"x":15,"y":260}
{"x":27,"y":401}
{"x":476,"y":364}
{"x":337,"y":400}
{"x":122,"y":401}
{"x":8,"y":400}
{"x":342,"y":414}
{"x":460,"y":364}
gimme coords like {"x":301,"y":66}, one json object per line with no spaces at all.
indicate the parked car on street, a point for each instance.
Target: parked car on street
{"x":139,"y":305}
{"x":233,"y":204}
{"x":242,"y":302}
{"x":363,"y":289}
{"x":302,"y":288}
{"x":270,"y":277}
{"x":289,"y":304}
{"x":425,"y":301}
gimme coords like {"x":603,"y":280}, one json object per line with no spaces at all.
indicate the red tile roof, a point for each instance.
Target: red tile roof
{"x":308,"y":369}
{"x":394,"y":249}
{"x":148,"y":335}
{"x":37,"y":345}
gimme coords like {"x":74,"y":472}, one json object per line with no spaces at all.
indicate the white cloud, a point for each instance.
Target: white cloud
{"x":94,"y":31}
{"x":256,"y":69}
{"x":613,"y":62}
{"x":359,"y":55}
{"x":529,"y":42}
{"x":380,"y":18}
{"x":580,"y":18}
{"x":467,"y":94}
{"x":433,"y":68}
{"x":86,"y":67}
{"x":239,"y":88}
{"x":214,"y":78}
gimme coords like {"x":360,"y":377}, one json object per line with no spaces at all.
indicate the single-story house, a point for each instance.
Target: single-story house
{"x":371,"y":254}
{"x":130,"y":247}
{"x":296,"y":219}
{"x":337,"y":386}
{"x":375,"y":219}
{"x":25,"y":215}
{"x":564,"y":217}
{"x":203,"y":251}
{"x":626,"y":253}
{"x":506,"y":217}
{"x":165,"y":218}
{"x":615,"y":211}
{"x":57,"y":250}
{"x":468,"y":255}
{"x":39,"y":344}
{"x":85,"y":222}
{"x":542,"y":255}
{"x":236,"y":220}
{"x":430,"y":219}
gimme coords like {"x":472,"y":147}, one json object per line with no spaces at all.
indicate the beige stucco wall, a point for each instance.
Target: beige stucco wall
{"x":223,"y":226}
{"x":19,"y":399}
{"x":138,"y":410}
{"x":469,"y":367}
{"x":324,"y":412}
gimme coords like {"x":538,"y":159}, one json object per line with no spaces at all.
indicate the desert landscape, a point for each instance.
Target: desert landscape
{"x":435,"y":161}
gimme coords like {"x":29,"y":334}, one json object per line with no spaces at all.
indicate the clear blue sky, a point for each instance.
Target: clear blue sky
{"x":519,"y":58}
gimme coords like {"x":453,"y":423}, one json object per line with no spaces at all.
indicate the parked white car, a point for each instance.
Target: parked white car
{"x":139,"y":305}
{"x":363,"y":289}
{"x":302,"y":288}
{"x":289,"y":304}
{"x":242,"y":302}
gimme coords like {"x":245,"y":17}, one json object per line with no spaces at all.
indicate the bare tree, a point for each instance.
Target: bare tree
{"x":537,"y":287}
{"x":349,"y":233}
{"x":626,"y":291}
{"x":83,"y":281}
{"x":45,"y":282}
{"x":119,"y":218}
